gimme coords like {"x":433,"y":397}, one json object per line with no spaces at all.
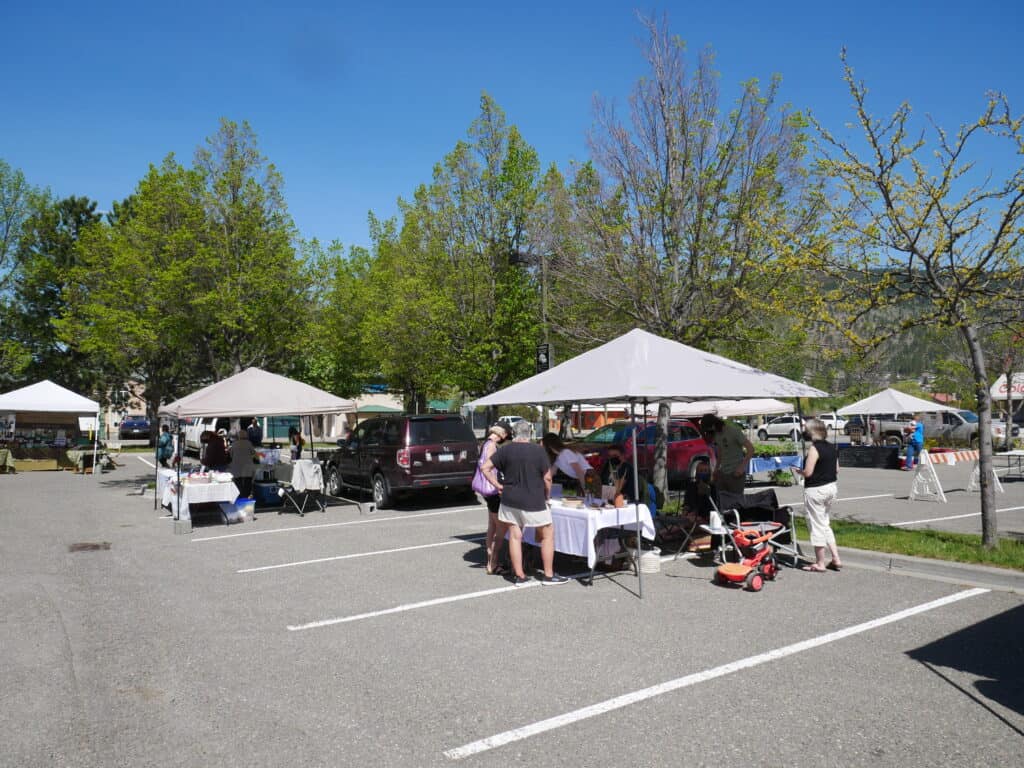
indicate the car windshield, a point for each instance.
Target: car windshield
{"x":969,"y":416}
{"x":609,"y":433}
{"x":433,"y":431}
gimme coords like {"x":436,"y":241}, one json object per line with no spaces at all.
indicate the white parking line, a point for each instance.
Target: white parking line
{"x":146,"y":462}
{"x":559,"y":721}
{"x":411,"y":606}
{"x":951,"y":517}
{"x":360,"y":554}
{"x":347,"y":522}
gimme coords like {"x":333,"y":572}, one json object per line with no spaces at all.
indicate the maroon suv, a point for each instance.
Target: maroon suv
{"x":397,"y":455}
{"x":686,"y":448}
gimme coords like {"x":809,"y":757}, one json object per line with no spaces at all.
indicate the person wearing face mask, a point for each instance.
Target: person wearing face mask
{"x":821,"y":472}
{"x":618,"y":472}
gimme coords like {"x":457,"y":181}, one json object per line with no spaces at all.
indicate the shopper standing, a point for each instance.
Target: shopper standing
{"x":821,"y":473}
{"x":525,"y":486}
{"x":498,"y":434}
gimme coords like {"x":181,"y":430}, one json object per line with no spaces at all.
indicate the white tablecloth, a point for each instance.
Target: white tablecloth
{"x":163,"y":477}
{"x":301,"y":475}
{"x":199,"y":493}
{"x":575,"y":529}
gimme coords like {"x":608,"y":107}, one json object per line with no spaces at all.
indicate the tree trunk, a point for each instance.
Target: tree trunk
{"x":661,"y":448}
{"x":989,"y":532}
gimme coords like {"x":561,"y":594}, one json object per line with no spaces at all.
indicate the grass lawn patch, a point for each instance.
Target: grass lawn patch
{"x":938,"y":545}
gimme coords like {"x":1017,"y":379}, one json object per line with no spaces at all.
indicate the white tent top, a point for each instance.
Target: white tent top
{"x":999,"y":389}
{"x":729,"y":408}
{"x":255,"y":392}
{"x":641,"y":366}
{"x":892,"y":401}
{"x":47,"y":397}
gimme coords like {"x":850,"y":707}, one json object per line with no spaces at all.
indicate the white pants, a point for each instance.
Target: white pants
{"x":817,"y":505}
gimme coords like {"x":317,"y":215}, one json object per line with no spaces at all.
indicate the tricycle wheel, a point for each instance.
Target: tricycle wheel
{"x":754,"y":581}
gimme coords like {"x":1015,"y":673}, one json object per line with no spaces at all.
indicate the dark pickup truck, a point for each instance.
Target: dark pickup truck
{"x":401,"y":455}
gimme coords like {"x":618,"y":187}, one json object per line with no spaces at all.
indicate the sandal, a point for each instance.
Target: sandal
{"x":834,"y":566}
{"x":813,"y":568}
{"x":497,"y":571}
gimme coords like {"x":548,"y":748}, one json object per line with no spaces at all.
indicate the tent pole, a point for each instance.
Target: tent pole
{"x":636,"y":500}
{"x":95,"y":444}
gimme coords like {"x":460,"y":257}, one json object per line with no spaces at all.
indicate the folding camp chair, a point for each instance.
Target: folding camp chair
{"x":304,"y":491}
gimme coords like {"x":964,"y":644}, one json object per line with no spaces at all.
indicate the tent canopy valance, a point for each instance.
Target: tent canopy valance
{"x":892,"y":401}
{"x":727,"y":409}
{"x":639,"y":366}
{"x":255,"y":392}
{"x":47,"y":397}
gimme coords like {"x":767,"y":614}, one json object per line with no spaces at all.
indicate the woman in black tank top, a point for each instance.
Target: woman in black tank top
{"x":820,"y":471}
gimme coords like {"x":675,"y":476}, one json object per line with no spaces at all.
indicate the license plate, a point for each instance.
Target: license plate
{"x":446,"y":457}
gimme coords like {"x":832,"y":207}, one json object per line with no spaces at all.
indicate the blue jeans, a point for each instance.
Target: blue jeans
{"x":913,"y":449}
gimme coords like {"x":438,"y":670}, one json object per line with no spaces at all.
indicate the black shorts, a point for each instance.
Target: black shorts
{"x":493,"y":502}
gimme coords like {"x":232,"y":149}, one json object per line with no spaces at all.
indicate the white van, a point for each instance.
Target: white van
{"x":195,"y":428}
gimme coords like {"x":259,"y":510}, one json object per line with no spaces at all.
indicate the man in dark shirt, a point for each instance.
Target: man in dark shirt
{"x":255,"y":432}
{"x":525,"y":486}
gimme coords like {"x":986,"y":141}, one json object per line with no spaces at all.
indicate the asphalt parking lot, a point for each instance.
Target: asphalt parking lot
{"x":345,"y":639}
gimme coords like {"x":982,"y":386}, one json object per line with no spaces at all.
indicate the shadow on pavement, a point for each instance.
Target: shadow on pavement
{"x":991,"y":649}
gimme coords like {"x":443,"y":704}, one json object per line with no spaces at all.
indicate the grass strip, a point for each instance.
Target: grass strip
{"x":938,"y":545}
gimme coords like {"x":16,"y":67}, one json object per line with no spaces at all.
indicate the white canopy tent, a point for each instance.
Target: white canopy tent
{"x":727,"y":409}
{"x":640,"y":367}
{"x":255,"y":392}
{"x":46,"y":397}
{"x":892,"y":401}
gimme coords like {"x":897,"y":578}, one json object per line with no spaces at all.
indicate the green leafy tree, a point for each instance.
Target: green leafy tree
{"x":129,"y":299}
{"x":17,"y":202}
{"x":47,"y":253}
{"x":687,"y":215}
{"x":335,"y":356}
{"x":252,"y":288}
{"x":922,"y":227}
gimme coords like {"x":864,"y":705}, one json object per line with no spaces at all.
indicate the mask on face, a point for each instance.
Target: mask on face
{"x":614,"y":461}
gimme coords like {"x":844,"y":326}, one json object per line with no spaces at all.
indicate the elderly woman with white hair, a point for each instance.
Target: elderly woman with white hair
{"x":821,"y":474}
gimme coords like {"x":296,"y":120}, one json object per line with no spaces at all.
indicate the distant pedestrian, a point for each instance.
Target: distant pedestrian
{"x":915,"y":441}
{"x":821,"y":473}
{"x":164,"y":446}
{"x":255,"y":433}
{"x":733,"y":452}
{"x":297,"y":442}
{"x":525,"y":486}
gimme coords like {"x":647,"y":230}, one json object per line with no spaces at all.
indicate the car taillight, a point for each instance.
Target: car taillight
{"x":402,"y":457}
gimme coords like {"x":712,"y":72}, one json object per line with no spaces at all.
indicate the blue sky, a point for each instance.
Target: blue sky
{"x":356,"y":102}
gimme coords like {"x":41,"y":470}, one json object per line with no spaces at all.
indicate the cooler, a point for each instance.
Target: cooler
{"x":265,"y":494}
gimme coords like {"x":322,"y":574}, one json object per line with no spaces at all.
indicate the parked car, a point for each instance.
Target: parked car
{"x":134,"y":427}
{"x":962,"y":426}
{"x":686,"y":448}
{"x":833,"y":422}
{"x":788,"y":427}
{"x":401,"y":455}
{"x":510,"y":421}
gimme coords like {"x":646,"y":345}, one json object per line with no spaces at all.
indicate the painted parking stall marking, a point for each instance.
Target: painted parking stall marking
{"x":360,"y":554}
{"x":560,"y":721}
{"x":366,"y":521}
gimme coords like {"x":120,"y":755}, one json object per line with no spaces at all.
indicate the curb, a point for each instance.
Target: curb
{"x":998,"y":579}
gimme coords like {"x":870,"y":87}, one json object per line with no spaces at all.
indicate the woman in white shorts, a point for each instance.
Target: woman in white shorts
{"x":821,"y":473}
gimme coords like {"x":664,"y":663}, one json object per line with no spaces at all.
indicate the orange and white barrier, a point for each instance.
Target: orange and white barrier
{"x":926,"y":483}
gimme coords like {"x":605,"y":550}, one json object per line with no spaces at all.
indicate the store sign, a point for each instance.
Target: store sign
{"x":1000,"y":391}
{"x":7,"y":424}
{"x":86,"y":423}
